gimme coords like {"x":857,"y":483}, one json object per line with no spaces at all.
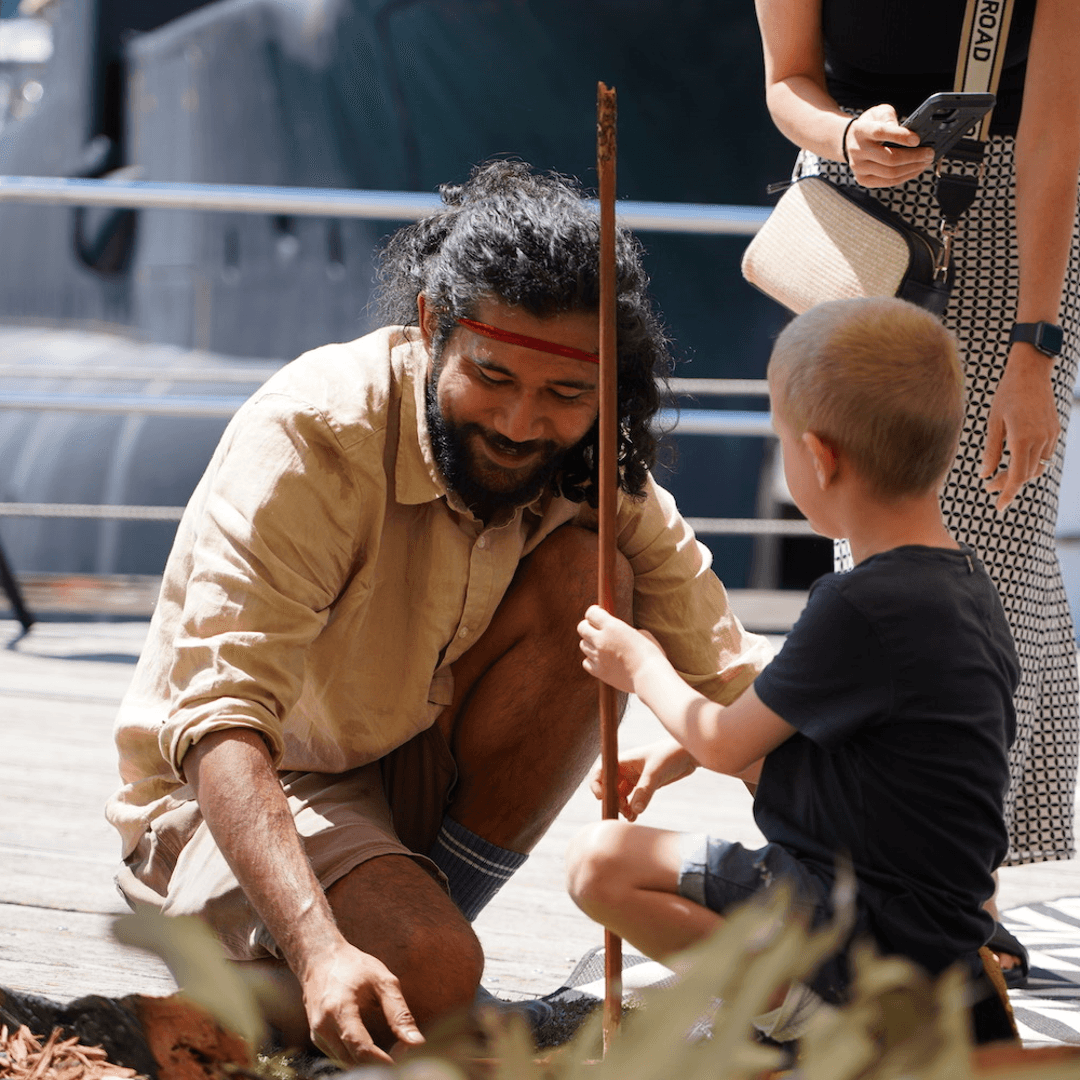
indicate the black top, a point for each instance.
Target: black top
{"x":899,"y":677}
{"x":902,"y":51}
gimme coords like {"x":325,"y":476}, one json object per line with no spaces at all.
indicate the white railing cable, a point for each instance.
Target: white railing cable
{"x":713,"y":387}
{"x":202,"y":407}
{"x":701,"y":218}
{"x":247,"y":376}
{"x":676,"y":386}
{"x":91,"y":510}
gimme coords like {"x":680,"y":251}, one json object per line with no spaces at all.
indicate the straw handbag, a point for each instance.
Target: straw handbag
{"x":826,"y":242}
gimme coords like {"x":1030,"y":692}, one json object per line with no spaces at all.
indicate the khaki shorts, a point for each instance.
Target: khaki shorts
{"x":391,"y":807}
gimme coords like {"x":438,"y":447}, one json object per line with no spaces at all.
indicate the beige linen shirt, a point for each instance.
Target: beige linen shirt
{"x":323,"y":581}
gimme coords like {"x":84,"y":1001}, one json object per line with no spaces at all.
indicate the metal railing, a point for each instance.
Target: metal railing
{"x":698,"y":218}
{"x":686,"y":422}
{"x":139,"y":374}
{"x":701,"y":218}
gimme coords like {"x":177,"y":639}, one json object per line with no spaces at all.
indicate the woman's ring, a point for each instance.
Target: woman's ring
{"x":1045,"y":461}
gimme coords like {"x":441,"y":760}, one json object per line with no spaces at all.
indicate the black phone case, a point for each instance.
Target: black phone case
{"x":942,"y":120}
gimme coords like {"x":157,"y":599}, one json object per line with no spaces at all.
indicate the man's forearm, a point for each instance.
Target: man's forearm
{"x":248,"y":815}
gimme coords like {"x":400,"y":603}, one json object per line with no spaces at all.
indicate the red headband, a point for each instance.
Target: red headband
{"x":529,"y":342}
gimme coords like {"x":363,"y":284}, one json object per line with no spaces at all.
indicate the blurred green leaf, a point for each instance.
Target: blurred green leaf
{"x":199,"y":966}
{"x":899,"y":1024}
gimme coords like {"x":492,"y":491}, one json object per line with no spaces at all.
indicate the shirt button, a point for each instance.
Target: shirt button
{"x":482,"y":542}
{"x":463,"y":632}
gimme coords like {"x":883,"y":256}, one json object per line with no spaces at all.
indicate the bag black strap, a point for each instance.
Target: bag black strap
{"x":955,"y":193}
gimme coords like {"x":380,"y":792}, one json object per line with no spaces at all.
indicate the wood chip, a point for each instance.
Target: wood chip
{"x":23,"y":1056}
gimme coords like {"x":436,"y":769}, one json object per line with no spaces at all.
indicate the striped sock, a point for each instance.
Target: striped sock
{"x":475,"y":868}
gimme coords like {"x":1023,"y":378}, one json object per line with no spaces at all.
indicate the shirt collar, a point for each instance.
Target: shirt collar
{"x":416,"y":475}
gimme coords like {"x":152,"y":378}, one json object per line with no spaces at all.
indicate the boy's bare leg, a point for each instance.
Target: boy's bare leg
{"x":523,"y":726}
{"x":626,"y":877}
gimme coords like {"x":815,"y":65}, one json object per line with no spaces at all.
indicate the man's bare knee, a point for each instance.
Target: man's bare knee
{"x":446,"y":975}
{"x":393,"y":909}
{"x":564,"y":571}
{"x":523,"y":725}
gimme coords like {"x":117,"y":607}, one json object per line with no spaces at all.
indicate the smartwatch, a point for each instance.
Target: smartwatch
{"x":1046,"y":337}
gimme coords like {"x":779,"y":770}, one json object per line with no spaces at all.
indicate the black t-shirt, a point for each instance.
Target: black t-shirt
{"x":899,"y":677}
{"x":902,"y":51}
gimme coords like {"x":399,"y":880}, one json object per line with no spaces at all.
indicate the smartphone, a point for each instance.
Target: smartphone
{"x":942,"y":120}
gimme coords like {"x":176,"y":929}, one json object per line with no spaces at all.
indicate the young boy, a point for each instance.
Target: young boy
{"x":881,"y":729}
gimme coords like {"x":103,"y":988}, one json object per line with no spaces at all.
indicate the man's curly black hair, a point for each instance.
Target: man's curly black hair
{"x":531,"y":240}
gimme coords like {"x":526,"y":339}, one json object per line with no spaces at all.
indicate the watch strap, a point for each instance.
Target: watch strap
{"x":1046,"y":337}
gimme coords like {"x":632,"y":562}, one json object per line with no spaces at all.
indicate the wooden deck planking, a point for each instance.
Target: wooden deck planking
{"x":59,"y":689}
{"x":68,"y":954}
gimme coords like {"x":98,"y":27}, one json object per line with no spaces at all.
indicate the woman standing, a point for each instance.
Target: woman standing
{"x":838,"y":75}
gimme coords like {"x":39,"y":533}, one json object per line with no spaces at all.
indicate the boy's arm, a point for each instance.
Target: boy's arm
{"x":728,"y":739}
{"x":643,"y":771}
{"x":752,"y":775}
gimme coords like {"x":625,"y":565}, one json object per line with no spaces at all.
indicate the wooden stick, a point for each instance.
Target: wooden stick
{"x":608,"y":476}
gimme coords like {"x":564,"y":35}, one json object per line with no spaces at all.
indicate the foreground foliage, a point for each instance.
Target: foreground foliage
{"x":899,"y":1023}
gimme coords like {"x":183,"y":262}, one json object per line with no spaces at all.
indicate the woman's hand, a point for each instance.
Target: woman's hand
{"x":644,"y":771}
{"x":1024,"y":420}
{"x":873,"y":163}
{"x":614,"y":651}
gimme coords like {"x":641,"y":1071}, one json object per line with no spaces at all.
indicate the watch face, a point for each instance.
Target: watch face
{"x":1049,"y":339}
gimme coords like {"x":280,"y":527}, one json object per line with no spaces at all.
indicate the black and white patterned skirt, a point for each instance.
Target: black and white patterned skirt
{"x":1017,"y":549}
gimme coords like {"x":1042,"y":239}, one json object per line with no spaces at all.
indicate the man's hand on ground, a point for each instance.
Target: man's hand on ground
{"x":338,"y":988}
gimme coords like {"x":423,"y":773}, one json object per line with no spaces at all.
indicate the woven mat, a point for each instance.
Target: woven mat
{"x":1047,"y":1010}
{"x":638,"y":973}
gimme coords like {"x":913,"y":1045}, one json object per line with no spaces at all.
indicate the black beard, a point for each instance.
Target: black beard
{"x":463,"y":473}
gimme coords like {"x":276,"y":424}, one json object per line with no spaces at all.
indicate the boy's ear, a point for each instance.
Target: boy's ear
{"x":824,"y":456}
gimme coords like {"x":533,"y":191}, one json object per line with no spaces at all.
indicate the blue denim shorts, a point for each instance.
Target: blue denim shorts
{"x":719,"y":875}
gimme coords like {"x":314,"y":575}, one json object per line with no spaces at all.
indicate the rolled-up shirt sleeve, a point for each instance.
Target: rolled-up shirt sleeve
{"x":679,"y":599}
{"x":273,"y":536}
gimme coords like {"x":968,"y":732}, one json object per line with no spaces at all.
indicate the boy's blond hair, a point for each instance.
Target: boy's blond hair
{"x":880,"y":380}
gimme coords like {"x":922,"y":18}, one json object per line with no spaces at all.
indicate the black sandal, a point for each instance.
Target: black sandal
{"x":1001,"y":941}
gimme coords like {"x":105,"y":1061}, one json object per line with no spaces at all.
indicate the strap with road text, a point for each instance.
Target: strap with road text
{"x":982,"y":51}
